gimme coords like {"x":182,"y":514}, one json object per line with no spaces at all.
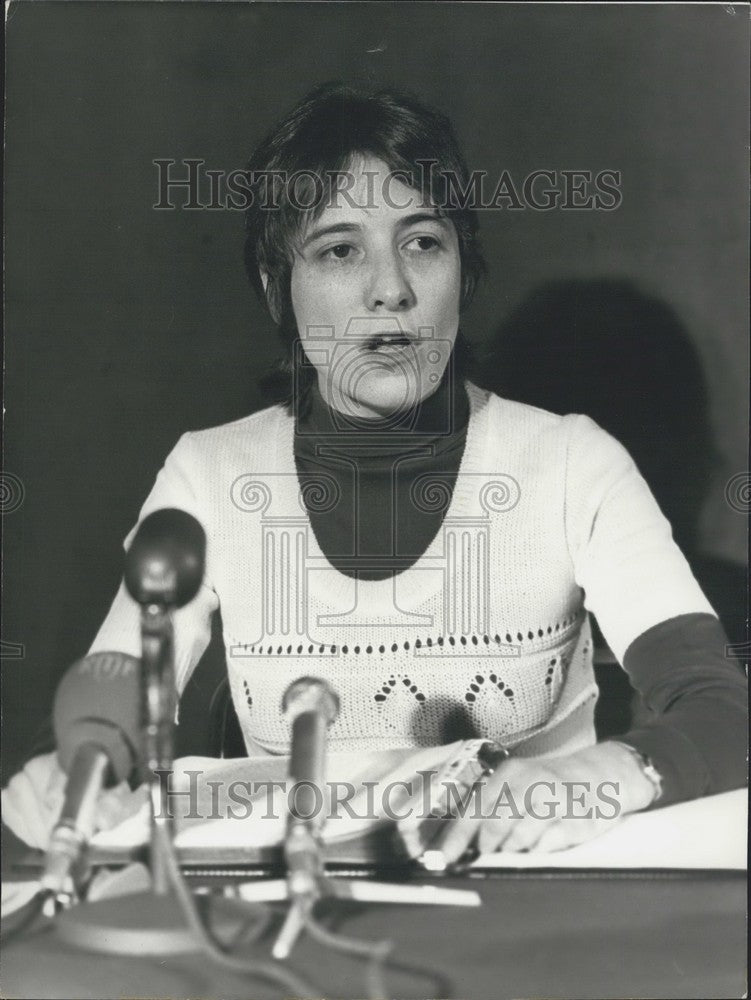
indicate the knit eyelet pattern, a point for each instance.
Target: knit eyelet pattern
{"x":505,"y":684}
{"x":511,"y":638}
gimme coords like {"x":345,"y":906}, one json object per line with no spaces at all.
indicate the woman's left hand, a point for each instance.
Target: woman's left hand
{"x":550,"y":804}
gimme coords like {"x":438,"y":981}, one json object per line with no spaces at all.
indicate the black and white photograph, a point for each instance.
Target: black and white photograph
{"x":375,"y":500}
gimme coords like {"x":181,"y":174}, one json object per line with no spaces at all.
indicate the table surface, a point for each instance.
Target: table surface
{"x":572,"y":934}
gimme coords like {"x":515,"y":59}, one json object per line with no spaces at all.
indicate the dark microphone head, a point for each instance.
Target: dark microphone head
{"x":165,"y":562}
{"x":310,"y":694}
{"x":98,"y":701}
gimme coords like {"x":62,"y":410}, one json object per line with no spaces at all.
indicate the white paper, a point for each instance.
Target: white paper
{"x":708,"y":833}
{"x":705,"y":833}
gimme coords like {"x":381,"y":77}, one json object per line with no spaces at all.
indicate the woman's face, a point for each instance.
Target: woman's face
{"x":376,"y":285}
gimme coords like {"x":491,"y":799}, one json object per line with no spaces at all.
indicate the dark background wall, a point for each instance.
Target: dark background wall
{"x":127,"y":326}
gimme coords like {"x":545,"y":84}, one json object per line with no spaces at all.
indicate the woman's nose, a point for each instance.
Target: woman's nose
{"x":389,"y":287}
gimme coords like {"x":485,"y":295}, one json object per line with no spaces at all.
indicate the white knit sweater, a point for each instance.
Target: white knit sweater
{"x":486,"y":632}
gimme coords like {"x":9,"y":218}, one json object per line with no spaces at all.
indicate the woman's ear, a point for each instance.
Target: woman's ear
{"x":273,"y":298}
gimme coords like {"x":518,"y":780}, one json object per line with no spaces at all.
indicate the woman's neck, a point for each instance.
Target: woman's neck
{"x":444,"y":412}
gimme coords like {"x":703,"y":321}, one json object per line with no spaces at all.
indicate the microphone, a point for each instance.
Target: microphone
{"x":164,"y":570}
{"x":96,"y":722}
{"x":165,"y":561}
{"x":311,"y":706}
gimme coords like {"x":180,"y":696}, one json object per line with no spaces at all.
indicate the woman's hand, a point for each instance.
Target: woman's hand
{"x":549,"y":804}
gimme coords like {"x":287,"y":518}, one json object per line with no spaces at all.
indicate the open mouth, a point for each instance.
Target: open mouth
{"x":387,"y":342}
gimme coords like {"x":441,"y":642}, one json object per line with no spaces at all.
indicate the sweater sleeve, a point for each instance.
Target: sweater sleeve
{"x":174,"y":487}
{"x":656,"y":620}
{"x":697,"y":739}
{"x":632,"y":573}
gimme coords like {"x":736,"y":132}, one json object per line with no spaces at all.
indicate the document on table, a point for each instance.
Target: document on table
{"x":244,"y":803}
{"x":708,"y":833}
{"x":705,"y":833}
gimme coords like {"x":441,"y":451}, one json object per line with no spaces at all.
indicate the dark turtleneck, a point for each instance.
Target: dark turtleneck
{"x":379,"y":525}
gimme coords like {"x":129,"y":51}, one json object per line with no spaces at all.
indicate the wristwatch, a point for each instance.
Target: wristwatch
{"x":648,"y":769}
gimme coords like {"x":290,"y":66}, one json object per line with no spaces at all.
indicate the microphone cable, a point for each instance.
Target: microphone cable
{"x":269,"y":970}
{"x":217,"y":950}
{"x":376,"y":952}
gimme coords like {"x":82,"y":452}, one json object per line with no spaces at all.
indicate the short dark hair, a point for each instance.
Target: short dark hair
{"x":316,"y":143}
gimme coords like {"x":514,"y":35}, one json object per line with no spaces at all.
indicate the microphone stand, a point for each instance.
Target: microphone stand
{"x":312,"y":705}
{"x":303,"y":894}
{"x":158,"y":711}
{"x":163,"y":571}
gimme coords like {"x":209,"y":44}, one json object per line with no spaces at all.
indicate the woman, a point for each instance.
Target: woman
{"x":429,"y":548}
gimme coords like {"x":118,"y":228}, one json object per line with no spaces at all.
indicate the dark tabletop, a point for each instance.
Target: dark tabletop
{"x":564,"y":934}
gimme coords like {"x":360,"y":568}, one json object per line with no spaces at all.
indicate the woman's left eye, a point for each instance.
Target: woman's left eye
{"x":340,"y":252}
{"x":423,"y":243}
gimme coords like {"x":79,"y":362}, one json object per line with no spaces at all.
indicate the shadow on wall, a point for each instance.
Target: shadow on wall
{"x":604,"y":348}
